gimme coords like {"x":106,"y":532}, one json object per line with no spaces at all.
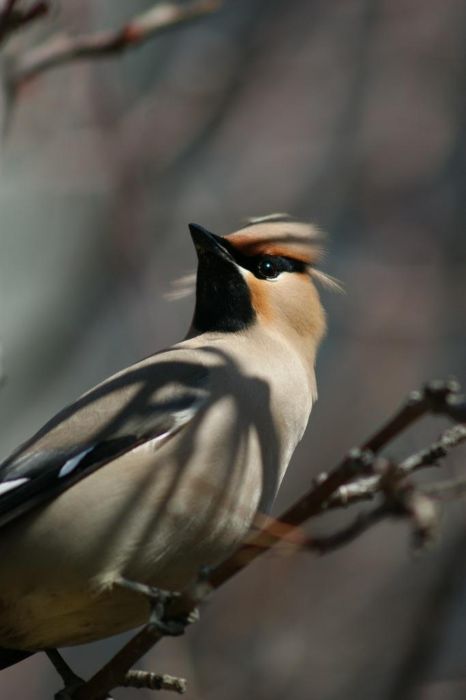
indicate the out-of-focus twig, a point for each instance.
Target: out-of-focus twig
{"x":364,"y":521}
{"x":6,"y":13}
{"x":450,"y":438}
{"x":8,"y":19}
{"x":13,"y":17}
{"x":366,"y":488}
{"x":63,"y":48}
{"x":400,"y":497}
{"x":436,"y":397}
{"x":447,"y":490}
{"x":405,"y":501}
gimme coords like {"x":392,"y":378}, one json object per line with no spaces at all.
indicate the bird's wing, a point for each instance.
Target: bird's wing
{"x":152,"y":400}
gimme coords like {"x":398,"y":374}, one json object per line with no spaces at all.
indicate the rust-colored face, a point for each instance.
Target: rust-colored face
{"x":288,"y":299}
{"x":263,"y":273}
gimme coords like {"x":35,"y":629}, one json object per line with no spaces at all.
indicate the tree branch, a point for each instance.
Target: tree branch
{"x":364,"y":521}
{"x":154,"y":681}
{"x":447,"y":490}
{"x":450,"y":438}
{"x":63,"y":48}
{"x":6,"y":14}
{"x":436,"y":397}
{"x":12,"y":18}
{"x":365,"y":489}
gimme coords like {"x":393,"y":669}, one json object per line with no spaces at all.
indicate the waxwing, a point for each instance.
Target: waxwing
{"x":161,"y":469}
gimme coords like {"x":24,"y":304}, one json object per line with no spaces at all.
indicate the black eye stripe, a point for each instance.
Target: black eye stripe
{"x":270,"y":266}
{"x":254,"y":263}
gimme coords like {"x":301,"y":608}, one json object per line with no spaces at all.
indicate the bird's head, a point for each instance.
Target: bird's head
{"x":263,"y":274}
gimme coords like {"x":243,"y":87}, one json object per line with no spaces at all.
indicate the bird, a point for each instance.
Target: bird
{"x":162,"y":468}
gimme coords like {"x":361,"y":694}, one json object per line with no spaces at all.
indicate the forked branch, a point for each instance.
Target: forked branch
{"x":359,"y":475}
{"x":64,"y":48}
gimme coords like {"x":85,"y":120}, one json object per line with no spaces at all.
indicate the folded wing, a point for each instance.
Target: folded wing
{"x":152,"y":400}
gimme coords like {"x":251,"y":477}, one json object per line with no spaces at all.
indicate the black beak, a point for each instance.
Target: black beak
{"x":223,"y":300}
{"x":207,"y":242}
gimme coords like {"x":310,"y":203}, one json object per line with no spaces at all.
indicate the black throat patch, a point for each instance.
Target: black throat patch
{"x":223,"y":300}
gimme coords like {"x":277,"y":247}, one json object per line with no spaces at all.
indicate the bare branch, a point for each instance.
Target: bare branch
{"x":407,"y":502}
{"x":365,"y":489}
{"x":7,"y":18}
{"x":7,"y":11}
{"x":450,"y":438}
{"x":447,"y":490}
{"x":154,"y":681}
{"x":364,"y":521}
{"x":356,"y":491}
{"x":401,"y":499}
{"x":436,"y":397}
{"x":422,"y":512}
{"x":63,"y":48}
{"x":12,"y":18}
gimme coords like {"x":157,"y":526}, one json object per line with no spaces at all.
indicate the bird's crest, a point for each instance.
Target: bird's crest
{"x":272,"y":234}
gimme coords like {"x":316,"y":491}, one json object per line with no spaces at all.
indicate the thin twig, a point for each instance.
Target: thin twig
{"x":435,"y":397}
{"x":364,"y":521}
{"x":355,"y":492}
{"x":154,"y":681}
{"x":63,"y":48}
{"x":450,"y":438}
{"x":6,"y":17}
{"x":446,"y":490}
{"x":367,"y":488}
{"x":7,"y":10}
{"x":12,"y":18}
{"x":406,"y":500}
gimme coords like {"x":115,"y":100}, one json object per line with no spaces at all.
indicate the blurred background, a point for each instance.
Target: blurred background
{"x":349,"y":113}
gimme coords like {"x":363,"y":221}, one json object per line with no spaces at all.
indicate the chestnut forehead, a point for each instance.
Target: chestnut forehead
{"x":293,"y":240}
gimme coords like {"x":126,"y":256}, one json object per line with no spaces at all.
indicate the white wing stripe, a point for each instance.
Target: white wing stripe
{"x":13,"y":484}
{"x":72,"y":463}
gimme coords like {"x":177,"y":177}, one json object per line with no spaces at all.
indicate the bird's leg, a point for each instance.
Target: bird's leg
{"x":160,"y":601}
{"x":71,"y":681}
{"x":67,"y":674}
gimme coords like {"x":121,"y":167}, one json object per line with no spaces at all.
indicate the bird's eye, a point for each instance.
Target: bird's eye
{"x":267,"y":268}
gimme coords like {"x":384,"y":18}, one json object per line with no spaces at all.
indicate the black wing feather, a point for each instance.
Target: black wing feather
{"x":43,"y":467}
{"x":44,"y":482}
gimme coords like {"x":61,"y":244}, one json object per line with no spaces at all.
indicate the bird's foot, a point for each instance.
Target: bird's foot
{"x":161,"y":601}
